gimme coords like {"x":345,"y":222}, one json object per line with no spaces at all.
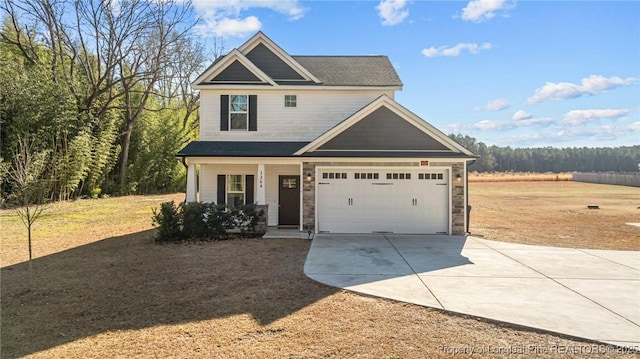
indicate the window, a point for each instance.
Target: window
{"x":290,"y":101}
{"x":238,"y":112}
{"x":235,"y":190}
{"x":431,"y":176}
{"x":334,"y":175}
{"x":290,"y":183}
{"x":399,"y":176}
{"x":366,"y":176}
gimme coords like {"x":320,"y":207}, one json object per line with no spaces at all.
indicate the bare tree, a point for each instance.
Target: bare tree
{"x":27,"y":175}
{"x":113,"y":55}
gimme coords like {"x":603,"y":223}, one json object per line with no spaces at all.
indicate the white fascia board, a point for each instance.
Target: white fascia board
{"x":410,"y":162}
{"x":228,"y":60}
{"x":245,"y":160}
{"x":296,"y":87}
{"x":261,"y":38}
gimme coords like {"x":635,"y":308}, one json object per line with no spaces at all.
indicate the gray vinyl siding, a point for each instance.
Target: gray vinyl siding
{"x":384,"y":130}
{"x":236,"y":72}
{"x":271,"y":64}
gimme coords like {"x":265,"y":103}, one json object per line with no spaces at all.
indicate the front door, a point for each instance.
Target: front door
{"x":289,"y":201}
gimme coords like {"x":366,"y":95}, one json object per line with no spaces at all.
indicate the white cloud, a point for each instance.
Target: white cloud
{"x":521,"y":115}
{"x":223,"y":17}
{"x":635,"y":126}
{"x":392,"y":12}
{"x":495,"y":105}
{"x":522,"y":120}
{"x":578,"y":117}
{"x":541,"y":121}
{"x":591,"y":85}
{"x":472,"y":48}
{"x":480,"y":10}
{"x":488,"y":125}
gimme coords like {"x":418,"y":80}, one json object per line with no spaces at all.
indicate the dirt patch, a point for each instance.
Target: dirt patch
{"x":556,"y":214}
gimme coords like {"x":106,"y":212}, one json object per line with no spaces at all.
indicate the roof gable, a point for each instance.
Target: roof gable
{"x":236,"y":72}
{"x":265,"y":45}
{"x":383,"y":130}
{"x":236,"y":64}
{"x":272,"y":64}
{"x":384,"y":125}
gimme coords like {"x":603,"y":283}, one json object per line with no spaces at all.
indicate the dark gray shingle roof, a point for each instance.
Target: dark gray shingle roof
{"x":351,"y":70}
{"x":240,"y":149}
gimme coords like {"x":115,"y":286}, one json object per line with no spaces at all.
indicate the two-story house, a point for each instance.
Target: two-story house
{"x":323,"y":143}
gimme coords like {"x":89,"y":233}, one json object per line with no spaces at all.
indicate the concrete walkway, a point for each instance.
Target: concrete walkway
{"x":592,"y":294}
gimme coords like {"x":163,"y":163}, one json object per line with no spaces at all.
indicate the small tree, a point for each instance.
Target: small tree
{"x":29,"y":186}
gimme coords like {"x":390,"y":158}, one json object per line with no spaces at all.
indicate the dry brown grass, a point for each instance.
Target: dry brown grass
{"x":556,"y":214}
{"x":104,"y":289}
{"x":518,"y":176}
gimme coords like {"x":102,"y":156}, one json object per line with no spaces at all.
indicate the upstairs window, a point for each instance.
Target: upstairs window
{"x":290,"y":101}
{"x":238,"y":112}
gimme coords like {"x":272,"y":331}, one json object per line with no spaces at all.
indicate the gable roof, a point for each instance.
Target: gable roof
{"x":385,"y":126}
{"x":271,"y":64}
{"x":234,"y":58}
{"x":352,"y":70}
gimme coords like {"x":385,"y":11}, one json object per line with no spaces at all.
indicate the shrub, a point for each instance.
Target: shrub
{"x":247,"y":218}
{"x":198,"y":220}
{"x":219,"y":221}
{"x":169,"y":222}
{"x":194,"y":221}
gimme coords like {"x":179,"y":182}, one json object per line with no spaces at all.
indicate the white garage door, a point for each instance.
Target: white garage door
{"x":375,"y":200}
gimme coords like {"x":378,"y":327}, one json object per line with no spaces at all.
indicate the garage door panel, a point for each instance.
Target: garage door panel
{"x":399,"y":201}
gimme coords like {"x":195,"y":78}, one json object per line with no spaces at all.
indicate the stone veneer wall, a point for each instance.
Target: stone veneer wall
{"x":308,"y":197}
{"x":458,"y":226}
{"x":261,"y":227}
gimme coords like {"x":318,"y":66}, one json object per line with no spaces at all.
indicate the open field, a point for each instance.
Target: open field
{"x":104,"y":289}
{"x":518,"y":176}
{"x":556,"y":214}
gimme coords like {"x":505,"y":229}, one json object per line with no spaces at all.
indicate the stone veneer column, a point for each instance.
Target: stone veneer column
{"x":458,"y":211}
{"x":309,"y":197}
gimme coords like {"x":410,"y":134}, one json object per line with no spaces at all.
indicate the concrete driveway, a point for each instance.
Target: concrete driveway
{"x":592,"y":294}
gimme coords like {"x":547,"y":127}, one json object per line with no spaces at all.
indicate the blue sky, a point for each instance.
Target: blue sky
{"x":519,"y":74}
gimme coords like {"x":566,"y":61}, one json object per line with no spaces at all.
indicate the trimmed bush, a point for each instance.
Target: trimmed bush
{"x":194,"y":221}
{"x":199,"y":220}
{"x":168,"y":221}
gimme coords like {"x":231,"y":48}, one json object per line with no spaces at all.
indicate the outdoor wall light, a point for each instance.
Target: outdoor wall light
{"x":309,"y":177}
{"x":458,"y":177}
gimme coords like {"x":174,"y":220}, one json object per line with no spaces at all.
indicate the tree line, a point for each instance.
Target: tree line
{"x":100,"y":90}
{"x":551,"y":159}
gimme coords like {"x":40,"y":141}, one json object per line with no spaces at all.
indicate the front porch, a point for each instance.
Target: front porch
{"x":276,"y":183}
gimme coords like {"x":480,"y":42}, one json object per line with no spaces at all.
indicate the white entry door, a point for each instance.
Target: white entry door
{"x":383,"y":200}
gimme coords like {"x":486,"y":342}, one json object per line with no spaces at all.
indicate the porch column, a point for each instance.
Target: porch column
{"x":191,"y":183}
{"x":261,"y":196}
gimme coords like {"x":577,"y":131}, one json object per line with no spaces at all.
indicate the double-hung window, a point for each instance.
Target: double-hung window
{"x":238,"y":112}
{"x":235,"y":190}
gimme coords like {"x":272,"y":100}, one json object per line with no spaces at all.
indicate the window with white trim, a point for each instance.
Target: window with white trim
{"x":290,"y":101}
{"x":238,"y":112}
{"x":235,"y":190}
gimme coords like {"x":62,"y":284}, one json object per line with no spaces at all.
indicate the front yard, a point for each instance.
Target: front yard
{"x":104,"y":289}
